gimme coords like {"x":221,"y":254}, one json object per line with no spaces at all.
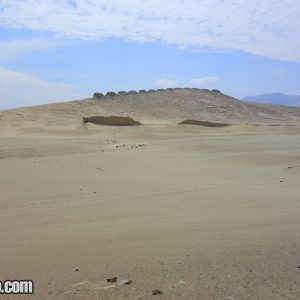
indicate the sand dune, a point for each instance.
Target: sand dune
{"x":196,"y":212}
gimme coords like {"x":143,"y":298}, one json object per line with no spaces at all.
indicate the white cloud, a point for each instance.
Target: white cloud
{"x":21,"y":89}
{"x":204,"y":80}
{"x":165,"y":82}
{"x":11,"y":48}
{"x":268,"y":28}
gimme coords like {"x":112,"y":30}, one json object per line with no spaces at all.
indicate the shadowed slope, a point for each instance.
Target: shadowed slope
{"x":203,"y":123}
{"x":111,"y":121}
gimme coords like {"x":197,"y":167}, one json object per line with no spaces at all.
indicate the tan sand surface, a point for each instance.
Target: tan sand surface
{"x":199,"y":213}
{"x":196,"y":212}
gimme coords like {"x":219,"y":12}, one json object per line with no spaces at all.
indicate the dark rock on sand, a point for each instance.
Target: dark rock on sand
{"x":156,"y":292}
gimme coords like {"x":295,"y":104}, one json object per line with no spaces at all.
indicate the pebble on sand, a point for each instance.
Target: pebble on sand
{"x":156,"y":292}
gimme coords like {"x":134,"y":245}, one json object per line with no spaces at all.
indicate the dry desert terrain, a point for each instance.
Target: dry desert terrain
{"x":193,"y":211}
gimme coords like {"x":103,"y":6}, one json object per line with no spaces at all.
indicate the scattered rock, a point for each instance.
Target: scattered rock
{"x":156,"y":292}
{"x":113,"y":279}
{"x":124,"y":281}
{"x":116,"y":282}
{"x":76,"y":270}
{"x":281,"y":181}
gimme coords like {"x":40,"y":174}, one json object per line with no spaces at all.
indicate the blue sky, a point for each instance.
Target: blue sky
{"x":60,"y":50}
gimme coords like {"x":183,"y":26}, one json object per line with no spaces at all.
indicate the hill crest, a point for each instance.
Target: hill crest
{"x":155,"y":107}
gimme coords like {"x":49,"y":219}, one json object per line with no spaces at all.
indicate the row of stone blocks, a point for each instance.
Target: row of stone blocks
{"x":113,"y":94}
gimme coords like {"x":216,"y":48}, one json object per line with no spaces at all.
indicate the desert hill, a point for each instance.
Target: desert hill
{"x":153,"y":107}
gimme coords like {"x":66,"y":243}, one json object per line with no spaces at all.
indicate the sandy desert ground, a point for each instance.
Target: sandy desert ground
{"x":196,"y":212}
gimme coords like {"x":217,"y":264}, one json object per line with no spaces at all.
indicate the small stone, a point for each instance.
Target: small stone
{"x":113,"y":279}
{"x":77,"y":270}
{"x":124,"y":281}
{"x":156,"y":292}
